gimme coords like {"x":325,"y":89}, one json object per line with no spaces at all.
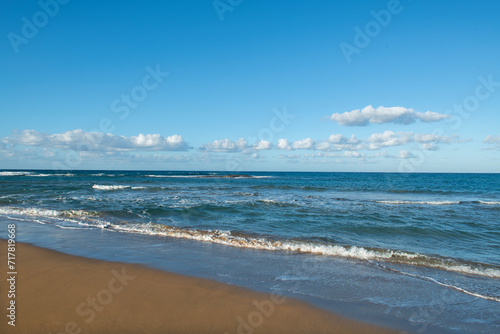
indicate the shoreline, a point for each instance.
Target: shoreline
{"x":61,"y":293}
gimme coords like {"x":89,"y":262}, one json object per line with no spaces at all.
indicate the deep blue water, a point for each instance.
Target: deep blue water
{"x":378,"y":234}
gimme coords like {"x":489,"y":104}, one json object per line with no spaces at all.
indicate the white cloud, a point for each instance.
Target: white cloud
{"x":338,"y":142}
{"x":380,"y":115}
{"x":340,"y":139}
{"x":225,"y":145}
{"x":336,"y":138}
{"x":263,"y":145}
{"x":388,"y":138}
{"x":284,"y":144}
{"x":304,"y":144}
{"x":80,"y":140}
{"x":323,"y":146}
{"x":376,"y":141}
{"x":430,"y":116}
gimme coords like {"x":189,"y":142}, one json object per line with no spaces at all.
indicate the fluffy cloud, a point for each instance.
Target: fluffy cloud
{"x":338,"y":142}
{"x":304,"y":144}
{"x":225,"y":145}
{"x":380,"y":115}
{"x":241,"y":145}
{"x":390,"y":138}
{"x":341,"y":139}
{"x":334,"y":143}
{"x":284,"y":144}
{"x":376,"y":141}
{"x":81,"y":140}
{"x":430,"y":116}
{"x":262,"y":145}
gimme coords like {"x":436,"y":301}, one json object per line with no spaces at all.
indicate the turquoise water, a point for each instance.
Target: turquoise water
{"x":359,"y":241}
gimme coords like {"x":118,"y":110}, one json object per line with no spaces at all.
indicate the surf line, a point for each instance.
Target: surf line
{"x":426,"y":278}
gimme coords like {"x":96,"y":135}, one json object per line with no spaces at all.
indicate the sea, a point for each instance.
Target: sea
{"x":419,"y":252}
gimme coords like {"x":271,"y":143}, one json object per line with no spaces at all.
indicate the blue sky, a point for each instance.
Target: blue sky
{"x":251,"y":85}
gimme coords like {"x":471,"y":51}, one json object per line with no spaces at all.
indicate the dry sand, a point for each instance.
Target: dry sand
{"x":59,"y":293}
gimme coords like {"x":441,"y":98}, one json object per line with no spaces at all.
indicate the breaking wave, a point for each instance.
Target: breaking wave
{"x":25,"y":173}
{"x":15,"y":173}
{"x":242,"y":240}
{"x":109,"y":187}
{"x":35,"y":212}
{"x":245,"y":241}
{"x":420,"y":202}
{"x":438,"y":202}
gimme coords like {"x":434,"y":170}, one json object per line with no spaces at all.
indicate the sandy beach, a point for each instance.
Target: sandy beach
{"x":60,"y":293}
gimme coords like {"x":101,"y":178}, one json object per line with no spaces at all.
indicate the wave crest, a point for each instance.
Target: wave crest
{"x":15,"y":173}
{"x":109,"y":187}
{"x":229,"y":238}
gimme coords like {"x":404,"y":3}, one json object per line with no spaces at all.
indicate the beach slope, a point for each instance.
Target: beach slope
{"x":60,"y":293}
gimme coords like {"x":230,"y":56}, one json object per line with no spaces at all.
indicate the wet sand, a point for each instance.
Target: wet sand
{"x":60,"y":293}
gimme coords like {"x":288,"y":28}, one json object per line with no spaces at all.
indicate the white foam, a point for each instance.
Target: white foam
{"x":273,"y":201}
{"x":45,"y":175}
{"x":30,"y":212}
{"x":36,"y":212}
{"x":268,"y":200}
{"x":228,"y":238}
{"x":489,"y":203}
{"x":175,"y":176}
{"x":109,"y":187}
{"x":15,"y":173}
{"x":136,"y":188}
{"x":475,"y":294}
{"x":354,"y":252}
{"x":70,"y":227}
{"x":420,"y":202}
{"x":19,"y":219}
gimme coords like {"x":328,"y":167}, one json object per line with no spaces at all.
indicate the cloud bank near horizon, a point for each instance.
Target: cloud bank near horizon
{"x":80,"y":140}
{"x":382,"y":115}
